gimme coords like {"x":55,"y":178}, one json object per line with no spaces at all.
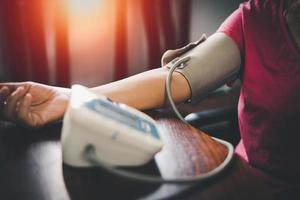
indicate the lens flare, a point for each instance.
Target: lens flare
{"x":84,"y":6}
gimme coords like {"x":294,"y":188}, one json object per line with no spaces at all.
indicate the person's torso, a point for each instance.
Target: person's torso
{"x":269,"y":105}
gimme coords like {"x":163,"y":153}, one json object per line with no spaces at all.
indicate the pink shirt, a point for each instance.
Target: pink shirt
{"x":269,"y":104}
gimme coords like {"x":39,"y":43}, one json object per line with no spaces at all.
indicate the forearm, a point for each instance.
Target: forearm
{"x":146,"y":90}
{"x":212,"y":62}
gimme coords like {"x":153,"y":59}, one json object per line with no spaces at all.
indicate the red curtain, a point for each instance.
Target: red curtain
{"x":24,"y":42}
{"x":158,"y":15}
{"x":159,"y":21}
{"x":121,"y":61}
{"x":62,"y":52}
{"x":150,"y":18}
{"x":185,"y":16}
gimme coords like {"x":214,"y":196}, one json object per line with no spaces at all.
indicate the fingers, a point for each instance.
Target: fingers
{"x":170,"y":55}
{"x":4,"y":93}
{"x":24,"y":108}
{"x":10,"y":86}
{"x":13,"y":86}
{"x":11,"y":108}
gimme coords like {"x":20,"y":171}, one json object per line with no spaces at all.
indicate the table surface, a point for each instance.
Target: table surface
{"x":31,"y":168}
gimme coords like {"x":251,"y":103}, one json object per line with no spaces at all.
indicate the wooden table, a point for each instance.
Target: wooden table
{"x":31,"y":168}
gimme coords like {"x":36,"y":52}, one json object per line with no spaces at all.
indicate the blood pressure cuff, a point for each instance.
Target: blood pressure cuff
{"x":198,"y":90}
{"x":211,"y":65}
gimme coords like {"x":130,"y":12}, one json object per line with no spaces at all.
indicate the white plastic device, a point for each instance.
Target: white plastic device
{"x":120,"y":135}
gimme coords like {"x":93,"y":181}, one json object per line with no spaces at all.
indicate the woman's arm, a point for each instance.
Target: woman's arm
{"x":145,"y":90}
{"x":212,"y":61}
{"x":35,"y":104}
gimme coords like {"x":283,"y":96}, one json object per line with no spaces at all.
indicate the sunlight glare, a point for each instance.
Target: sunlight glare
{"x":84,"y":6}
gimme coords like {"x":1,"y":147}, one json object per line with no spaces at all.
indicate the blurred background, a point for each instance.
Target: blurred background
{"x":93,"y":42}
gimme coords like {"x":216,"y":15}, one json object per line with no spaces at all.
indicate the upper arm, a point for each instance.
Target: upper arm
{"x":218,"y":59}
{"x":213,"y":63}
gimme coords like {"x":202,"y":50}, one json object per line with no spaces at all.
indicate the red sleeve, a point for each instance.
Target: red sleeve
{"x":233,"y":27}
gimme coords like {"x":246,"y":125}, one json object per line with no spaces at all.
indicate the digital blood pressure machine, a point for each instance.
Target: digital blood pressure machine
{"x":121,"y":136}
{"x":99,"y":132}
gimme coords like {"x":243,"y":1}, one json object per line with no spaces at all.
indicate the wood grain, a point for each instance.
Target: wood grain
{"x":187,"y":151}
{"x":31,"y":168}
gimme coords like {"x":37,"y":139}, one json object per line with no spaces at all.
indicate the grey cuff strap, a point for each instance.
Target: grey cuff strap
{"x":200,"y":89}
{"x":211,"y":64}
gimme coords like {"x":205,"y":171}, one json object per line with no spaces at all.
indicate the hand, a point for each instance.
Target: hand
{"x":32,"y":104}
{"x":171,"y":55}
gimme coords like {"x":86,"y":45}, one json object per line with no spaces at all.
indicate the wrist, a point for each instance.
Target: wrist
{"x":64,"y":97}
{"x":65,"y":92}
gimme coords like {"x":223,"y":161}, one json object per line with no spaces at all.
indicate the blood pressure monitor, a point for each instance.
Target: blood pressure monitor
{"x":121,"y":135}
